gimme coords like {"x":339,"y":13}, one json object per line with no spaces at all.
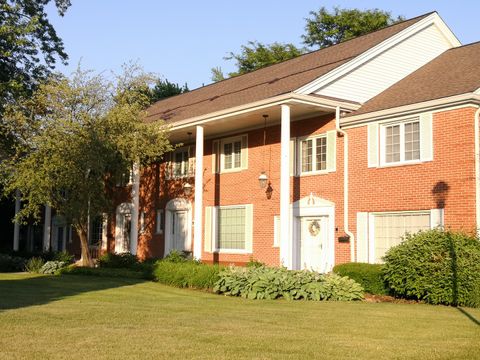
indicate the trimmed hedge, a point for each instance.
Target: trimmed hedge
{"x":11,"y":263}
{"x":436,"y":266}
{"x":370,"y":276}
{"x":118,"y":261}
{"x":186,"y":274}
{"x":273,"y":283}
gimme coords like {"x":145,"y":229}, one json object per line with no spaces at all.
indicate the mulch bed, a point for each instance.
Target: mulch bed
{"x":389,"y":299}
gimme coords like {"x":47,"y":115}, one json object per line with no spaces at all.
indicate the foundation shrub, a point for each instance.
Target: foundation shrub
{"x":11,"y":263}
{"x":118,"y":261}
{"x":436,"y":266}
{"x":370,"y":276}
{"x":186,"y":274}
{"x":102,"y":272}
{"x":272,"y":283}
{"x":34,"y":265}
{"x":51,"y":267}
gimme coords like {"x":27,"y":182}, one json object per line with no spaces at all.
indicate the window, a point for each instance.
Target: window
{"x":313,"y":154}
{"x":231,"y":228}
{"x":96,"y":231}
{"x":180,"y":166}
{"x":231,"y":158}
{"x":159,"y":222}
{"x":142,"y":221}
{"x":125,"y":178}
{"x":390,"y":228}
{"x":401,"y":142}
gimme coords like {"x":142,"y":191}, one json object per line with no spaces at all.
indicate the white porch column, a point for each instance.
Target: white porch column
{"x":16,"y":226}
{"x":135,"y":208}
{"x":198,"y":222}
{"x":47,"y":225}
{"x":285,"y":234}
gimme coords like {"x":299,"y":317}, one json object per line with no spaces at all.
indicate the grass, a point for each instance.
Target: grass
{"x":81,"y":317}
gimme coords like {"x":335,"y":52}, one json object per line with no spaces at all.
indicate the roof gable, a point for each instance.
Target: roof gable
{"x":386,"y":63}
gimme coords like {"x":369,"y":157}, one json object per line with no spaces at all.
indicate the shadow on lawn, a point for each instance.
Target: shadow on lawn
{"x":469,"y":316}
{"x":29,"y":291}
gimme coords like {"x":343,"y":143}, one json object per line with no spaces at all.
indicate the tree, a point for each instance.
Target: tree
{"x":324,"y":28}
{"x":74,"y":136}
{"x":164,"y":89}
{"x":29,"y":49}
{"x":256,"y":55}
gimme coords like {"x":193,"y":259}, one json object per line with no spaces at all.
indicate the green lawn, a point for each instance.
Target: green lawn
{"x":76,"y":317}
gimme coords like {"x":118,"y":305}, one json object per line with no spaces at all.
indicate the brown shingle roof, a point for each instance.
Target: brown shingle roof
{"x":455,"y":72}
{"x":270,"y":81}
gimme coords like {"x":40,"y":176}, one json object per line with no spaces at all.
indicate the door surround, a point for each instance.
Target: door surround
{"x":177,"y":205}
{"x":312,"y":206}
{"x":122,"y":210}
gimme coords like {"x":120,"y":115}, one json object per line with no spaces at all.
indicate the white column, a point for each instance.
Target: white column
{"x":198,"y":222}
{"x":135,"y":208}
{"x":285,"y":233}
{"x":16,"y":226}
{"x":47,"y":224}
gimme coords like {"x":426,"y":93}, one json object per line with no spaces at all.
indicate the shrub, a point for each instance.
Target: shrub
{"x":118,"y":261}
{"x":254,"y":263}
{"x":11,"y":263}
{"x":63,"y":256}
{"x":272,"y":283}
{"x":34,"y":265}
{"x":370,"y":276}
{"x":176,"y":256}
{"x":189,"y":274}
{"x":51,"y":267}
{"x":439,"y":267}
{"x":101,"y":272}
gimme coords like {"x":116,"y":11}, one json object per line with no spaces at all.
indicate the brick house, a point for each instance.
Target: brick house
{"x":323,"y":159}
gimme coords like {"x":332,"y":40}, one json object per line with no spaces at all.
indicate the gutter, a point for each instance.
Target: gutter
{"x":477,"y":170}
{"x":345,"y":184}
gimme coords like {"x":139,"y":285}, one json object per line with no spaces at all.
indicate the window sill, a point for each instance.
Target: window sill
{"x":403,"y":163}
{"x":231,"y":251}
{"x":313,"y":173}
{"x":228,"y":171}
{"x":179,"y":177}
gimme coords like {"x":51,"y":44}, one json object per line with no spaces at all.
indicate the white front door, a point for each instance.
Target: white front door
{"x":179,"y":234}
{"x":314,"y":243}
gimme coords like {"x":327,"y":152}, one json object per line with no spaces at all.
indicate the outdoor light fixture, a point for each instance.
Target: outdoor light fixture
{"x":187,"y":189}
{"x":262,"y":180}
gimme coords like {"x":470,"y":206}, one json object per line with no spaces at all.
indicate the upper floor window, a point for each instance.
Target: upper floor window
{"x":405,"y":141}
{"x":401,"y":142}
{"x":317,"y":154}
{"x":181,"y":163}
{"x":230,"y":154}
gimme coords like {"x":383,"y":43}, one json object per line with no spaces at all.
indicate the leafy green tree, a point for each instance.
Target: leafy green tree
{"x":164,"y":89}
{"x":326,"y":28}
{"x":74,"y":136}
{"x":256,"y":55}
{"x":29,"y":49}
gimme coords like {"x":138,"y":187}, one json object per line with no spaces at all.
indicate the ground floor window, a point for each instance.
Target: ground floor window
{"x":96,"y":231}
{"x":390,"y":228}
{"x":231,"y":228}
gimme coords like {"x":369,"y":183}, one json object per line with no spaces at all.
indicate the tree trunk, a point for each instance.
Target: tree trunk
{"x":86,"y":259}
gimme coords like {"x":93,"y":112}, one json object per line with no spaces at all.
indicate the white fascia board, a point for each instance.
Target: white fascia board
{"x":290,"y":98}
{"x":431,"y":105}
{"x":477,"y":91}
{"x":378,"y":49}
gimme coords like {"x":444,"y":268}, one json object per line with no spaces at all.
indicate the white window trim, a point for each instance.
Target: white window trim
{"x":159,"y":215}
{"x":142,"y":222}
{"x":172,"y":163}
{"x":382,"y":132}
{"x":276,"y":230}
{"x":371,"y":225}
{"x":231,"y":140}
{"x":215,"y":248}
{"x":298,"y":148}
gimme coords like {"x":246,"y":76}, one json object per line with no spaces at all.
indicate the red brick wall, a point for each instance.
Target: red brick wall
{"x":450,"y":176}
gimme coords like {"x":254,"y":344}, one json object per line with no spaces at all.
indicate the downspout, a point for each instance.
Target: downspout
{"x":345,"y":184}
{"x":477,"y":170}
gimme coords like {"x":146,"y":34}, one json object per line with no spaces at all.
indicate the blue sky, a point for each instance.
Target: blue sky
{"x":183,"y":40}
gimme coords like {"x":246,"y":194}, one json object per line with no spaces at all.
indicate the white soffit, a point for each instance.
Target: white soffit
{"x":375,"y":70}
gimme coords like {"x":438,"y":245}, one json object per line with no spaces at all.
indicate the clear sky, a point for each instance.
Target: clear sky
{"x":182,"y":40}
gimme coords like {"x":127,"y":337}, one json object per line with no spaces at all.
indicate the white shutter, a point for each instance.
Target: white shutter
{"x":207,"y":239}
{"x":293,"y":157}
{"x":426,"y":137}
{"x":362,"y":237}
{"x":249,"y":228}
{"x":331,"y":150}
{"x":244,"y":152}
{"x":104,"y":231}
{"x":276,"y":231}
{"x":216,"y":157}
{"x":191,"y":160}
{"x":436,"y":218}
{"x":373,"y":145}
{"x":168,"y":165}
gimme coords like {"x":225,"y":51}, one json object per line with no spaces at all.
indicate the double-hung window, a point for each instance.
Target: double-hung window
{"x":232,"y":155}
{"x":401,"y":142}
{"x":317,"y":154}
{"x":180,"y":162}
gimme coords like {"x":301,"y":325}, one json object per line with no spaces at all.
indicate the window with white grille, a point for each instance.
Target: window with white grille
{"x":313,"y":154}
{"x":401,"y":142}
{"x":231,"y":228}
